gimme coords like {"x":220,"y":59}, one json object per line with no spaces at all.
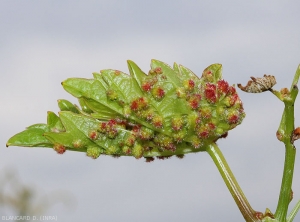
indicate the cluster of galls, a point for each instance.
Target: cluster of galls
{"x":151,"y":83}
{"x":214,"y":108}
{"x":160,"y":114}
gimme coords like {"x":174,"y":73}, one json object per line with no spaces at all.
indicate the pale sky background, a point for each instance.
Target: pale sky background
{"x":44,"y":42}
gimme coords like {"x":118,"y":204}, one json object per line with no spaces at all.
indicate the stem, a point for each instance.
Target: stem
{"x":248,"y":213}
{"x":286,"y":185}
{"x":285,"y":130}
{"x":290,"y":154}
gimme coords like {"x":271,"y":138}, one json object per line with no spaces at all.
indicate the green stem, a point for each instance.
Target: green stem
{"x":248,"y":213}
{"x":286,"y":127}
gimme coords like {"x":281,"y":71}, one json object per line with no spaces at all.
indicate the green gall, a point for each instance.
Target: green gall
{"x":194,"y":101}
{"x":139,"y":104}
{"x":157,"y":121}
{"x":137,"y":150}
{"x":180,"y":92}
{"x":179,"y":136}
{"x":207,"y":75}
{"x":126,"y":150}
{"x":112,"y":150}
{"x":189,"y":84}
{"x":130,"y":140}
{"x":177,"y":123}
{"x":196,"y":142}
{"x":146,"y":133}
{"x":77,"y":144}
{"x":158,"y":92}
{"x":111,"y":94}
{"x":93,"y":152}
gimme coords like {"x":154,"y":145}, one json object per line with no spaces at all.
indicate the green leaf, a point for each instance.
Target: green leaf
{"x":31,"y":137}
{"x":171,"y":75}
{"x":100,"y":111}
{"x":77,"y":128}
{"x":125,"y":86}
{"x":53,"y":123}
{"x":84,"y":106}
{"x":91,"y":89}
{"x":137,"y":74}
{"x":65,"y":105}
{"x":163,"y":113}
{"x":216,"y":70}
{"x":186,"y":73}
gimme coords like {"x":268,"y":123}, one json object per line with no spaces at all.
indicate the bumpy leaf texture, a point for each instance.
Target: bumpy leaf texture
{"x":160,"y":114}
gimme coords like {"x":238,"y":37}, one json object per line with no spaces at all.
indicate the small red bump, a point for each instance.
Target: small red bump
{"x":194,"y":101}
{"x":194,"y":104}
{"x":111,"y":122}
{"x":204,"y":134}
{"x":296,"y":134}
{"x":93,"y":135}
{"x":102,"y":127}
{"x":233,"y":119}
{"x":117,"y":72}
{"x":112,"y":132}
{"x":146,"y":86}
{"x":158,"y":92}
{"x":157,"y":121}
{"x":208,"y":75}
{"x":231,"y":90}
{"x":149,"y":159}
{"x":139,"y":104}
{"x":223,"y":86}
{"x":210,"y":92}
{"x":259,"y":215}
{"x":136,"y":128}
{"x":171,"y":147}
{"x":211,"y":126}
{"x":143,"y":103}
{"x":206,"y":113}
{"x":189,"y":84}
{"x":158,"y":70}
{"x":134,"y":105}
{"x":59,"y":148}
{"x":233,"y":99}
